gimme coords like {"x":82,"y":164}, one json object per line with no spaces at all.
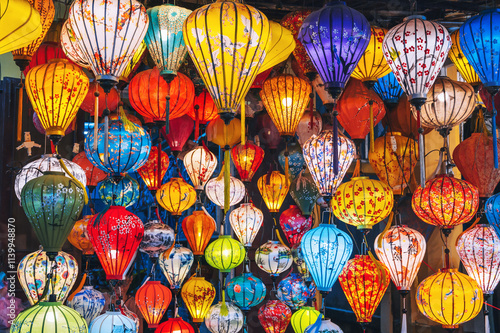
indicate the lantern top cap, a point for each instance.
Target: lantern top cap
{"x":225,"y":236}
{"x":448,"y":270}
{"x":335,"y":3}
{"x":413,"y":17}
{"x":307,"y":308}
{"x":360,"y":178}
{"x":50,"y":303}
{"x":54,"y":173}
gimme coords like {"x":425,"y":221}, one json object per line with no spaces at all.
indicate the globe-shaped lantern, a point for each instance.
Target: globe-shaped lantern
{"x":200,"y":164}
{"x":123,"y":191}
{"x":449,"y":298}
{"x":273,"y":258}
{"x":274,"y":316}
{"x":310,"y":124}
{"x":153,"y":299}
{"x":303,"y":318}
{"x":335,"y":54}
{"x":198,"y":295}
{"x":112,"y":321}
{"x":154,"y":170}
{"x":71,"y":46}
{"x":115,"y":235}
{"x":273,"y":187}
{"x":176,"y":196}
{"x":53,"y":204}
{"x":388,"y":89}
{"x":179,"y":131}
{"x":158,"y":237}
{"x":460,"y":61}
{"x":292,"y":159}
{"x":446,"y":201}
{"x":198,"y":229}
{"x":225,"y":253}
{"x":110,"y":102}
{"x":294,"y":224}
{"x":215,"y":191}
{"x":88,"y":302}
{"x":294,"y":292}
{"x":93,"y":174}
{"x":33,"y":273}
{"x":363,"y":202}
{"x":175,"y":325}
{"x":246,"y":221}
{"x":47,"y":51}
{"x":224,"y":317}
{"x":78,"y":236}
{"x":175,"y":265}
{"x":96,"y":27}
{"x":247,"y":158}
{"x":304,"y":192}
{"x":246,"y":291}
{"x":492,"y":212}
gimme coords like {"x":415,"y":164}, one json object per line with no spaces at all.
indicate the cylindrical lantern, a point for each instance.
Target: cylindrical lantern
{"x":176,"y":196}
{"x":225,"y":253}
{"x":226,"y":318}
{"x":310,"y":124}
{"x":111,"y":321}
{"x":200,"y":164}
{"x":158,"y":237}
{"x":304,"y":318}
{"x":294,"y":292}
{"x":274,"y":316}
{"x":247,"y":159}
{"x":93,"y":174}
{"x":153,"y":299}
{"x":119,"y":192}
{"x":215,"y":191}
{"x":294,"y":224}
{"x":175,"y":325}
{"x":78,"y":236}
{"x":246,"y":291}
{"x":175,"y":265}
{"x":153,"y":171}
{"x":273,"y":258}
{"x":198,"y":229}
{"x":110,"y":101}
{"x":198,"y":295}
{"x":88,"y":302}
{"x":304,"y":192}
{"x":273,"y":187}
{"x":246,"y":221}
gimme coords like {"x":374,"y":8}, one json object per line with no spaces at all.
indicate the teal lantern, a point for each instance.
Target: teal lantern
{"x":121,"y":191}
{"x":304,"y":192}
{"x":52,"y":203}
{"x":295,"y":160}
{"x":246,"y":291}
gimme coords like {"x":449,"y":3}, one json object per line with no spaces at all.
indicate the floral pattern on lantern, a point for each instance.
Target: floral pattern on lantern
{"x":93,"y":174}
{"x":158,"y":237}
{"x":149,"y":170}
{"x":119,"y":192}
{"x":88,"y":302}
{"x":273,"y":187}
{"x":295,"y":160}
{"x":294,"y":292}
{"x":246,"y":291}
{"x":293,"y":21}
{"x":215,"y":190}
{"x":273,"y":258}
{"x":198,"y":295}
{"x":294,"y":224}
{"x":274,"y":316}
{"x":228,"y":320}
{"x":200,"y":164}
{"x":388,"y":89}
{"x":225,"y":253}
{"x":246,"y":221}
{"x":176,"y":196}
{"x":247,"y":159}
{"x":175,"y":265}
{"x":198,"y":229}
{"x":78,"y":236}
{"x":310,"y":124}
{"x":304,"y":192}
{"x":153,"y":299}
{"x":71,"y":46}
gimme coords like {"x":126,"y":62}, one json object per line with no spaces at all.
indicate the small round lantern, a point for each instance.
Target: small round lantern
{"x":158,"y":237}
{"x":175,"y":325}
{"x":294,"y":292}
{"x":198,"y":229}
{"x":294,"y":224}
{"x":247,"y":158}
{"x":176,"y":196}
{"x":246,"y":221}
{"x":88,"y":302}
{"x":273,"y":258}
{"x":93,"y":174}
{"x":215,"y":191}
{"x":112,"y":321}
{"x":123,"y":191}
{"x":246,"y":291}
{"x":175,"y":265}
{"x":200,"y":164}
{"x":273,"y":187}
{"x":203,"y":111}
{"x":78,"y":236}
{"x":304,"y":318}
{"x":198,"y":295}
{"x":110,"y":101}
{"x":153,"y":299}
{"x":274,"y":316}
{"x":224,"y":317}
{"x":225,"y":253}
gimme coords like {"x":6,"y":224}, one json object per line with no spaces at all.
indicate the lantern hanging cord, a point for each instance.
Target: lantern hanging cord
{"x":78,"y":183}
{"x":276,"y":230}
{"x":96,"y":115}
{"x":445,"y":233}
{"x":494,"y":131}
{"x":167,"y":112}
{"x":20,"y":110}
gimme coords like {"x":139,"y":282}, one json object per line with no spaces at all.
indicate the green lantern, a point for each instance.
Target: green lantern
{"x":53,"y":204}
{"x":225,"y":253}
{"x":303,"y":318}
{"x":304,"y":192}
{"x":49,"y":317}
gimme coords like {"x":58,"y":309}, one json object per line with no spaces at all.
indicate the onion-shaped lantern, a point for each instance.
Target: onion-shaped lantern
{"x":247,"y":159}
{"x":215,"y":190}
{"x":153,"y":299}
{"x":246,"y":221}
{"x":179,"y":131}
{"x":176,"y":196}
{"x":175,"y":265}
{"x":198,"y":295}
{"x":33,"y":271}
{"x":88,"y":302}
{"x":110,"y":102}
{"x":273,"y":187}
{"x":158,"y":237}
{"x":246,"y":291}
{"x":291,"y":157}
{"x":198,"y":229}
{"x":294,"y":292}
{"x":200,"y":164}
{"x":47,"y":51}
{"x":224,"y":317}
{"x":175,"y":325}
{"x":304,"y":318}
{"x":460,"y":61}
{"x":310,"y":124}
{"x":78,"y":236}
{"x":326,"y":250}
{"x":225,"y":253}
{"x":294,"y":224}
{"x":274,"y":316}
{"x":273,"y":258}
{"x":115,"y":235}
{"x":112,"y":321}
{"x":304,"y":192}
{"x":153,"y":171}
{"x":446,"y":201}
{"x":93,"y":174}
{"x":122,"y":191}
{"x":363,"y":202}
{"x":388,"y":89}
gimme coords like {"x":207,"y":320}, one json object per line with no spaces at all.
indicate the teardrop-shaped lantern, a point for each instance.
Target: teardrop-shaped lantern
{"x":246,"y":221}
{"x":294,"y":224}
{"x":179,"y":131}
{"x":198,"y":229}
{"x":88,"y":302}
{"x":247,"y":158}
{"x":246,"y":291}
{"x":198,"y":295}
{"x":153,"y":299}
{"x":200,"y":164}
{"x":273,"y":258}
{"x":78,"y":236}
{"x":294,"y":292}
{"x":460,"y":61}
{"x":175,"y":265}
{"x":310,"y":124}
{"x":224,"y":317}
{"x":225,"y":253}
{"x":153,"y":171}
{"x":119,"y":192}
{"x":273,"y":187}
{"x":158,"y":237}
{"x":274,"y":316}
{"x":388,"y":89}
{"x":176,"y":196}
{"x":304,"y":192}
{"x":215,"y":191}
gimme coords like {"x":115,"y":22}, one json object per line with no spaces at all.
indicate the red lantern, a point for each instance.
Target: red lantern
{"x":203,"y":111}
{"x":268,"y":133}
{"x":275,"y":316}
{"x":88,"y":104}
{"x":153,"y":299}
{"x":294,"y":224}
{"x":93,"y":173}
{"x":149,"y":171}
{"x":180,"y":130}
{"x":148,"y":94}
{"x":487,"y":100}
{"x":175,"y":325}
{"x":115,"y":235}
{"x":46,"y":52}
{"x":247,"y":159}
{"x":260,"y":78}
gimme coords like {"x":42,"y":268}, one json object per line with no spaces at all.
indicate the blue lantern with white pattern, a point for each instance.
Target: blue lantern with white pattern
{"x":388,"y":89}
{"x":123,"y":191}
{"x":294,"y":292}
{"x":492,"y":212}
{"x":88,"y":302}
{"x":246,"y":291}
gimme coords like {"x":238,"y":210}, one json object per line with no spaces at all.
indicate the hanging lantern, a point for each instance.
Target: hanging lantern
{"x":225,"y":253}
{"x":460,"y":61}
{"x":273,"y":258}
{"x":326,"y":326}
{"x":394,"y":158}
{"x":176,"y":196}
{"x":246,"y":291}
{"x":274,"y":316}
{"x":112,"y":321}
{"x":224,"y":317}
{"x":198,"y":295}
{"x":294,"y":225}
{"x":93,"y":174}
{"x":400,"y":119}
{"x":304,"y":192}
{"x":56,"y":91}
{"x":446,"y":201}
{"x":310,"y":124}
{"x":71,"y":46}
{"x":158,"y":237}
{"x":282,"y":45}
{"x":200,"y":164}
{"x":53,"y":204}
{"x":179,"y":132}
{"x":49,"y":317}
{"x":203,"y":111}
{"x":115,"y":235}
{"x":273,"y":187}
{"x":198,"y":229}
{"x":96,"y":28}
{"x":388,"y":89}
{"x":325,"y":247}
{"x":298,"y":259}
{"x":318,"y":152}
{"x":492,"y":212}
{"x":364,"y":282}
{"x":372,"y":65}
{"x":175,"y":325}
{"x":326,"y":99}
{"x":304,"y":318}
{"x":132,"y":67}
{"x":153,"y":171}
{"x":268,"y":133}
{"x":88,"y":302}
{"x":247,"y":158}
{"x":246,"y":221}
{"x":449,"y":298}
{"x":294,"y":292}
{"x":33,"y":271}
{"x":153,"y":299}
{"x":175,"y":265}
{"x":46,"y":52}
{"x":295,"y":160}
{"x":109,"y":102}
{"x":39,"y":127}
{"x":215,"y":190}
{"x":78,"y":236}
{"x":119,"y":192}
{"x":216,"y":132}
{"x":131,"y":315}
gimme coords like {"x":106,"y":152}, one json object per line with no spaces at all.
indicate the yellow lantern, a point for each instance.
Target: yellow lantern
{"x":372,"y":65}
{"x":362,"y":202}
{"x":198,"y":295}
{"x":176,"y":196}
{"x":461,"y":62}
{"x":273,"y":187}
{"x":305,"y":317}
{"x":285,"y":98}
{"x":132,"y":66}
{"x":78,"y":236}
{"x":216,"y":132}
{"x":56,"y":91}
{"x":282,"y":45}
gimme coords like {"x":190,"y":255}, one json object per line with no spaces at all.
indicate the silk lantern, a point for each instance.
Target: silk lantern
{"x":246,"y":291}
{"x":198,"y":229}
{"x":175,"y":325}
{"x":224,"y":317}
{"x":294,"y":292}
{"x":200,"y":164}
{"x":179,"y":131}
{"x":273,"y":187}
{"x":217,"y":130}
{"x":158,"y":237}
{"x":119,"y":192}
{"x":88,"y":302}
{"x":93,"y":174}
{"x":198,"y":295}
{"x":111,"y":321}
{"x":176,"y":196}
{"x":460,"y":61}
{"x":89,"y":102}
{"x":304,"y":192}
{"x":274,"y":316}
{"x":268,"y":133}
{"x":215,"y":190}
{"x":78,"y":236}
{"x":153,"y":171}
{"x":132,"y":67}
{"x":303,"y":318}
{"x":225,"y":253}
{"x":492,"y":212}
{"x":153,"y":299}
{"x":115,"y":235}
{"x":246,"y":222}
{"x":71,"y":46}
{"x":43,"y":54}
{"x":273,"y":258}
{"x":294,"y":224}
{"x":247,"y":158}
{"x":291,"y":160}
{"x":388,"y":89}
{"x":203,"y":111}
{"x":310,"y":124}
{"x":282,"y":45}
{"x":39,"y":127}
{"x":175,"y":265}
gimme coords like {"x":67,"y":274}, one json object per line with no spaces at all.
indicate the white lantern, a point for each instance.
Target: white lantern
{"x":88,"y":302}
{"x":326,"y":327}
{"x":215,"y":191}
{"x":158,"y":237}
{"x":200,"y":164}
{"x":273,"y":258}
{"x":112,"y":321}
{"x":246,"y":222}
{"x":71,"y":47}
{"x":309,"y":125}
{"x":176,"y":264}
{"x":230,"y":322}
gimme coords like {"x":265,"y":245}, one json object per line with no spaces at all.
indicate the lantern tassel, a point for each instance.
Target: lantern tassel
{"x":197,"y":124}
{"x":372,"y":134}
{"x":335,"y":144}
{"x":20,"y":111}
{"x":486,"y":323}
{"x":96,"y":115}
{"x":79,"y":288}
{"x":494,"y":130}
{"x":243,"y":119}
{"x":287,"y":166}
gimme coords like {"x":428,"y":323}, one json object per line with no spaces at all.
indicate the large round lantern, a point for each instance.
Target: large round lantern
{"x":247,"y":159}
{"x":246,"y":221}
{"x":78,"y":236}
{"x":175,"y":265}
{"x":155,"y":168}
{"x":34,"y":269}
{"x":388,"y":89}
{"x":310,"y":124}
{"x":176,"y":196}
{"x":93,"y":174}
{"x":198,"y":295}
{"x":225,"y":253}
{"x":294,"y":224}
{"x":282,"y":45}
{"x":112,"y":321}
{"x":363,"y":202}
{"x":326,"y":250}
{"x":175,"y":325}
{"x":53,"y":204}
{"x":158,"y":237}
{"x":492,"y":212}
{"x":273,"y":258}
{"x":198,"y":229}
{"x":88,"y":302}
{"x":449,"y":298}
{"x":460,"y":61}
{"x":122,"y":191}
{"x":179,"y":131}
{"x":115,"y":235}
{"x":294,"y":292}
{"x":273,"y":187}
{"x":224,"y":317}
{"x":200,"y":164}
{"x":215,"y":190}
{"x":304,"y":318}
{"x":109,"y":102}
{"x":304,"y":192}
{"x":246,"y":291}
{"x":446,"y":201}
{"x":153,"y":299}
{"x":274,"y":316}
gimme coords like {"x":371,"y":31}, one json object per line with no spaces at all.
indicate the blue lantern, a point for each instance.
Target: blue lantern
{"x":388,"y":89}
{"x":127,"y":148}
{"x":122,"y":191}
{"x":294,"y":292}
{"x":88,"y":302}
{"x":246,"y":291}
{"x":492,"y":211}
{"x":326,"y":250}
{"x":295,"y":160}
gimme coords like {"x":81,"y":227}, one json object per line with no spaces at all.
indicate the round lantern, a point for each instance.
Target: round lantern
{"x":78,"y":236}
{"x":71,"y":46}
{"x":460,"y":61}
{"x":364,"y":282}
{"x":153,"y":299}
{"x":294,"y":292}
{"x":179,"y":131}
{"x":200,"y":164}
{"x":198,"y":295}
{"x":273,"y":258}
{"x":198,"y":229}
{"x":446,"y":201}
{"x":206,"y":110}
{"x":47,"y":51}
{"x":247,"y":158}
{"x":449,"y":298}
{"x":119,"y":192}
{"x":295,"y":163}
{"x":246,"y":291}
{"x":294,"y":224}
{"x":225,"y":253}
{"x":215,"y":191}
{"x":93,"y":174}
{"x":217,"y":134}
{"x":115,"y":235}
{"x":282,"y":45}
{"x":49,"y":317}
{"x":303,"y":318}
{"x":175,"y":325}
{"x":47,"y":162}
{"x":274,"y":316}
{"x":176,"y":196}
{"x":96,"y":26}
{"x":224,"y":317}
{"x":154,"y":170}
{"x":112,"y":321}
{"x":53,"y":204}
{"x":326,"y":250}
{"x":246,"y":221}
{"x":175,"y":265}
{"x":110,"y":101}
{"x":33,"y":271}
{"x":158,"y":237}
{"x":304,"y":192}
{"x":492,"y":212}
{"x":127,"y":147}
{"x":310,"y":124}
{"x":88,"y":302}
{"x":273,"y":187}
{"x":388,"y":89}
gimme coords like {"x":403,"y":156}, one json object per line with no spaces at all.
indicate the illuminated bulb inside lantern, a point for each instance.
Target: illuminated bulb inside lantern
{"x":442,"y":96}
{"x":225,"y":253}
{"x":113,"y":254}
{"x":287,"y":102}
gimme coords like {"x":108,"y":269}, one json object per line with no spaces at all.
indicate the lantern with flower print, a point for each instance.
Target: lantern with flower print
{"x":198,"y":295}
{"x":153,"y":171}
{"x":175,"y":265}
{"x":294,"y":292}
{"x":215,"y":190}
{"x":274,"y":316}
{"x":246,"y":291}
{"x":294,"y":224}
{"x":200,"y":164}
{"x":88,"y":302}
{"x":273,"y":258}
{"x":304,"y":192}
{"x":153,"y":299}
{"x":246,"y":221}
{"x":176,"y":196}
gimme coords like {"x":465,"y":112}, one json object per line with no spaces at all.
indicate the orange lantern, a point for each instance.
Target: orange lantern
{"x":215,"y":132}
{"x":153,"y":299}
{"x":110,"y":102}
{"x":198,"y":229}
{"x":273,"y":187}
{"x":198,"y":295}
{"x":78,"y":236}
{"x":203,"y":111}
{"x":93,"y":173}
{"x":155,"y":168}
{"x":176,"y":196}
{"x":247,"y":159}
{"x":400,"y":119}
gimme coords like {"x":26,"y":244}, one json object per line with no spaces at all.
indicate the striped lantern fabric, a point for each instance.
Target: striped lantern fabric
{"x":388,"y":89}
{"x":198,"y":295}
{"x":246,"y":291}
{"x":492,"y":212}
{"x":247,"y":159}
{"x":176,"y":325}
{"x":93,"y":174}
{"x":153,"y":300}
{"x":200,"y":164}
{"x":225,"y":253}
{"x":175,"y":265}
{"x":176,"y":196}
{"x":46,"y":52}
{"x":304,"y":318}
{"x":198,"y":229}
{"x":229,"y":321}
{"x":246,"y":221}
{"x":88,"y":302}
{"x":273,"y":187}
{"x":274,"y":316}
{"x":112,"y":321}
{"x":215,"y":191}
{"x":71,"y":46}
{"x":460,"y":61}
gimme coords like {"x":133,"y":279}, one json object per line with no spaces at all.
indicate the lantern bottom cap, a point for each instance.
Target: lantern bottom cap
{"x":451,"y":326}
{"x":114,"y":277}
{"x":152,"y":325}
{"x":198,"y":320}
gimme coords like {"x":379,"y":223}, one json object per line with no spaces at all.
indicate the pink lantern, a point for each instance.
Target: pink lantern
{"x":310,"y":124}
{"x":294,"y":224}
